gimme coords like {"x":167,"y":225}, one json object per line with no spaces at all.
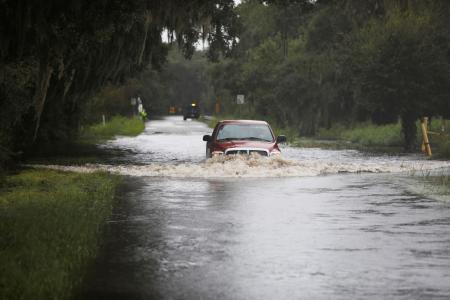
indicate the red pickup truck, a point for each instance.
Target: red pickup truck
{"x":242,"y":137}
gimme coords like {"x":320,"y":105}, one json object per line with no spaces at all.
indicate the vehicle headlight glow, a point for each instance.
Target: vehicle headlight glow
{"x":217,"y":153}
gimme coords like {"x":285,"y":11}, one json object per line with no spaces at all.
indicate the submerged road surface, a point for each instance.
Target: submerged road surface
{"x":312,"y":236}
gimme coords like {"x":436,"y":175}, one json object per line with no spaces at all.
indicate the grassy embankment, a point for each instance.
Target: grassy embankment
{"x":50,"y":230}
{"x":432,"y":184}
{"x":363,"y":136}
{"x":384,"y":137}
{"x":118,"y":125}
{"x":51,"y":221}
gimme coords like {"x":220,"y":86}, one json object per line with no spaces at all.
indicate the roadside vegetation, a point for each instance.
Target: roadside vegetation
{"x":341,"y":74}
{"x":444,"y":149}
{"x":434,"y":184}
{"x":365,"y":134}
{"x":371,"y":136}
{"x":442,"y":181}
{"x":50,"y":227}
{"x":118,"y":125}
{"x":52,"y":221}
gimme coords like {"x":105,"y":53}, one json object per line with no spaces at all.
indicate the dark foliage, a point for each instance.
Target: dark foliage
{"x":308,"y":65}
{"x":54,"y":55}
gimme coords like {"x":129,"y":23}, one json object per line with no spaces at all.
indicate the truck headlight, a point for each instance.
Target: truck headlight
{"x":216,"y":153}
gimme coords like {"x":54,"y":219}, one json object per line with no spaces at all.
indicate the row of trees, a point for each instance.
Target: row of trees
{"x":312,"y":64}
{"x":304,"y":64}
{"x":54,"y":55}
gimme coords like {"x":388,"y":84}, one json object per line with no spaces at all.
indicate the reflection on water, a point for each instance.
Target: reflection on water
{"x":171,"y":140}
{"x":340,"y":236}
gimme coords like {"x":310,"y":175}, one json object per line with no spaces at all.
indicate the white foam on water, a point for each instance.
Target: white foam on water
{"x":256,"y":166}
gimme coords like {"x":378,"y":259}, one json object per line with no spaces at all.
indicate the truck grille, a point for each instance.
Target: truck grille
{"x":234,"y":152}
{"x":247,"y":152}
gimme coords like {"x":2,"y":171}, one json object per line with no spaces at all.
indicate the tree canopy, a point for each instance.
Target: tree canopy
{"x":54,"y":55}
{"x":340,"y":62}
{"x":304,"y":64}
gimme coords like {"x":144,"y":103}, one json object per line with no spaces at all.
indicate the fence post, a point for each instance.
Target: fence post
{"x":426,"y":142}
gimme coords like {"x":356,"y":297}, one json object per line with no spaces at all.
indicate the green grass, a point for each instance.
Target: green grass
{"x":372,"y":135}
{"x":118,"y":125}
{"x":49,"y":230}
{"x":332,"y":133}
{"x":443,"y":149}
{"x":438,"y":185}
{"x":440,"y":143}
{"x":366,"y":134}
{"x":435,"y":124}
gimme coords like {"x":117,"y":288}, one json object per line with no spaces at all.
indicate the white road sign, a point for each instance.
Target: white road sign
{"x":240,"y":99}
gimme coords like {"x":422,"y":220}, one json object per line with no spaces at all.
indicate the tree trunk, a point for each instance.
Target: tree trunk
{"x":409,"y":130}
{"x":148,"y":18}
{"x":45,"y":74}
{"x":68,"y":84}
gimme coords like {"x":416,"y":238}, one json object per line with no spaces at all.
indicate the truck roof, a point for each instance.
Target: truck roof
{"x":243,"y":122}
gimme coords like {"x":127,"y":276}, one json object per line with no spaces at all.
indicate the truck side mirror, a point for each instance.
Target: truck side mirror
{"x":206,"y":138}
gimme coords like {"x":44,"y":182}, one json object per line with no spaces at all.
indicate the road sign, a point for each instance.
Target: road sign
{"x":240,"y":99}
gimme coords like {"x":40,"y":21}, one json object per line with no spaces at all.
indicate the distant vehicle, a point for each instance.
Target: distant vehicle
{"x":242,"y":137}
{"x":191,"y":111}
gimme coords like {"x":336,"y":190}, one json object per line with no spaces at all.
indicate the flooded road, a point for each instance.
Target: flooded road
{"x":261,"y":235}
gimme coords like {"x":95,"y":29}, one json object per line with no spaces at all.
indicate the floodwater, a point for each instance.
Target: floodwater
{"x":315,"y":224}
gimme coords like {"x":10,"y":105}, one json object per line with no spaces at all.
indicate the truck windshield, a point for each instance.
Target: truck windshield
{"x":258,"y":132}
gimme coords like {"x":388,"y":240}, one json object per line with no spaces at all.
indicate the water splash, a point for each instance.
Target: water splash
{"x":256,"y":166}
